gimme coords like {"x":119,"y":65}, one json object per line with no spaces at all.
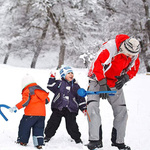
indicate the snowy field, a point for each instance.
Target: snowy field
{"x":137,"y":99}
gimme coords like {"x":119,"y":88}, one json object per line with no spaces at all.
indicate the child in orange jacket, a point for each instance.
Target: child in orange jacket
{"x":34,"y":99}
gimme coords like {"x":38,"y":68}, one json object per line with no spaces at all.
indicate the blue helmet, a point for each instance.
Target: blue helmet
{"x":65,"y":70}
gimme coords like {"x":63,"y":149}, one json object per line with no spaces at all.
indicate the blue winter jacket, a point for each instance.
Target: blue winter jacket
{"x":65,"y":95}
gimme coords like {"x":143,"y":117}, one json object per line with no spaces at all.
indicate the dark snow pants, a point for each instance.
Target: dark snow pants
{"x":37,"y":125}
{"x":118,"y":105}
{"x":55,"y":120}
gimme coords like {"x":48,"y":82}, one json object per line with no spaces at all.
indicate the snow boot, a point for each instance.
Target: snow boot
{"x":23,"y":144}
{"x":46,"y":139}
{"x":121,"y":146}
{"x":39,"y":147}
{"x":78,"y":141}
{"x":94,"y":144}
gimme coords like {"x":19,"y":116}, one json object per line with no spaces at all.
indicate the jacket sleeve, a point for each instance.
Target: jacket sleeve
{"x":47,"y":100}
{"x":25,"y":99}
{"x":82,"y":104}
{"x":133,"y":71}
{"x":53,"y":84}
{"x":81,"y":101}
{"x":98,"y":68}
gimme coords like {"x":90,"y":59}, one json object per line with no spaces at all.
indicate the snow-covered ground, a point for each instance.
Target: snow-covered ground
{"x":137,"y":99}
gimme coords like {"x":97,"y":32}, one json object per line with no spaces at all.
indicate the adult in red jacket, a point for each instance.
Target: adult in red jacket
{"x":116,"y":63}
{"x":34,"y":99}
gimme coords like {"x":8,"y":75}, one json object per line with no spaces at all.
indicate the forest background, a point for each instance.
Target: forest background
{"x":50,"y":33}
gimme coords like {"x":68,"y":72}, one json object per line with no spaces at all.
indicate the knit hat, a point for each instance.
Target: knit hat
{"x":27,"y":79}
{"x":130,"y":46}
{"x":64,"y":71}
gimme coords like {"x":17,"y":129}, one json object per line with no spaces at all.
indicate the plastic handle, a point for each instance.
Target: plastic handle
{"x":5,"y":106}
{"x":82,"y":92}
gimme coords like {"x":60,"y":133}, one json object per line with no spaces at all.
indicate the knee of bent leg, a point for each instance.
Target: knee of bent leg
{"x":126,"y":113}
{"x":92,"y":109}
{"x":123,"y":113}
{"x":120,"y":112}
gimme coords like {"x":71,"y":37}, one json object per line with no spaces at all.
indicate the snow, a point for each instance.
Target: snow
{"x":137,"y":99}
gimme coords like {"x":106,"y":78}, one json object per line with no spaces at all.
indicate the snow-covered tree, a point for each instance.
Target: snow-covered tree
{"x":73,"y":29}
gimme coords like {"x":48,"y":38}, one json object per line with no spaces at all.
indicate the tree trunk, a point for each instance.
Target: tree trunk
{"x":146,"y":40}
{"x":61,"y":55}
{"x":36,"y":54}
{"x":39,"y":45}
{"x":62,"y":38}
{"x":147,"y":24}
{"x":7,"y":54}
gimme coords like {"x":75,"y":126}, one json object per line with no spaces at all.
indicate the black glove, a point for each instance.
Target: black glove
{"x":121,"y":81}
{"x":103,"y":87}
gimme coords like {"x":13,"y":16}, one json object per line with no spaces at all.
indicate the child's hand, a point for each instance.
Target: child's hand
{"x":84,"y":112}
{"x":52,"y":75}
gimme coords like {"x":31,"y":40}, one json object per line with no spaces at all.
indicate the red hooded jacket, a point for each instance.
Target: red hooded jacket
{"x":110,"y":62}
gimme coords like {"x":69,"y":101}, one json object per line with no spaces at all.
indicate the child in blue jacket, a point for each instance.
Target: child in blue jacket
{"x":66,"y":103}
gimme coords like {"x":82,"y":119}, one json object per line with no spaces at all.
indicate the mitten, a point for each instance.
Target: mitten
{"x":52,"y":75}
{"x":13,"y":109}
{"x":121,"y":81}
{"x":84,"y":112}
{"x":103,"y":87}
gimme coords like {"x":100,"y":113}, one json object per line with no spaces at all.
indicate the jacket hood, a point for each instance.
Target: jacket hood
{"x":42,"y":95}
{"x":120,"y":38}
{"x":30,"y":85}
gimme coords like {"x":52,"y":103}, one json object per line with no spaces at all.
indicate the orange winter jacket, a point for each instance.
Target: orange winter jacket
{"x":34,"y":99}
